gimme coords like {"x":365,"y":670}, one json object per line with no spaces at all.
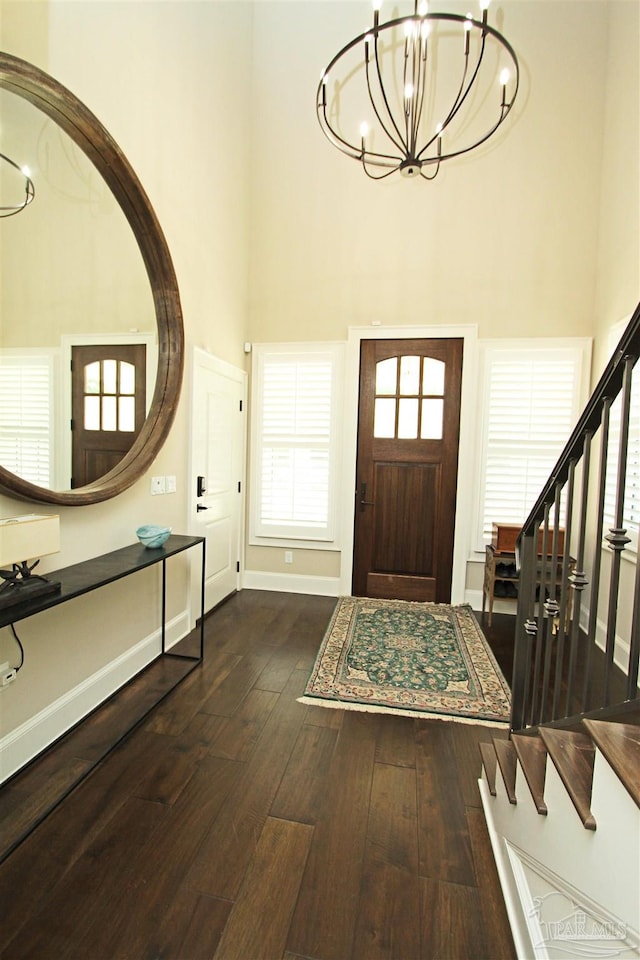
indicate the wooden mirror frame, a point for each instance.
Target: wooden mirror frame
{"x":49,"y":96}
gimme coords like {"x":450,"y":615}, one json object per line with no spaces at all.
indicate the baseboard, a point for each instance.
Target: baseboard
{"x":28,"y":740}
{"x":508,"y":882}
{"x":291,"y":583}
{"x":474,"y":599}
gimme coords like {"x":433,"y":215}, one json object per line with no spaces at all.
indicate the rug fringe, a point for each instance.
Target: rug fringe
{"x":417,"y":714}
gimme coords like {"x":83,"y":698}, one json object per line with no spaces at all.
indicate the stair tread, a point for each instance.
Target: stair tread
{"x":489,"y":762}
{"x":573,"y":756}
{"x":620,"y":745}
{"x":532,"y":754}
{"x":506,"y":754}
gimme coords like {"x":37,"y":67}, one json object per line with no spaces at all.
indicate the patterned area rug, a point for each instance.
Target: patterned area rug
{"x":415,"y":659}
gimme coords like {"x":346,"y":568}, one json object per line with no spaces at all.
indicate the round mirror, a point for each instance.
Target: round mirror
{"x":85,"y":267}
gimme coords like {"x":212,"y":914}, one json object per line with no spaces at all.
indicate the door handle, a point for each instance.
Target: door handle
{"x":200,"y":488}
{"x":200,"y":508}
{"x":363,"y":497}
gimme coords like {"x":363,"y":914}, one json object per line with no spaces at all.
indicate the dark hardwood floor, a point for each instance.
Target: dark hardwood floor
{"x":237,"y":823}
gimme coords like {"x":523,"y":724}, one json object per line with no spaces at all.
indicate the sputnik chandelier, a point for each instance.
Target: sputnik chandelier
{"x":418,"y":90}
{"x":29,"y":190}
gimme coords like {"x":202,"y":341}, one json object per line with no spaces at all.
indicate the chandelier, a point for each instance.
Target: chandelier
{"x":416,"y":91}
{"x":29,"y":190}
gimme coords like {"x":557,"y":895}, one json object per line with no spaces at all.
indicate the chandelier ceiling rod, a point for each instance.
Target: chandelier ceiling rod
{"x":395,"y":64}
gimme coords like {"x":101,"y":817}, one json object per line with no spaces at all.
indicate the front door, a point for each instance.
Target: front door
{"x":217,"y":465}
{"x":108,"y":393}
{"x":407,"y":465}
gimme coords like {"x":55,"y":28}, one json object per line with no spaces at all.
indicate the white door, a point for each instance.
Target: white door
{"x":217,"y":473}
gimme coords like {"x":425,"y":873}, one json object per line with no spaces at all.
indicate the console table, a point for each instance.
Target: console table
{"x":76,"y":580}
{"x":89,"y":575}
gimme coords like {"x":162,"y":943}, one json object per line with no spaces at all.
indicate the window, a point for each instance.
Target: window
{"x":532,"y":397}
{"x":26,"y":417}
{"x":631,"y":510}
{"x":296,"y":401}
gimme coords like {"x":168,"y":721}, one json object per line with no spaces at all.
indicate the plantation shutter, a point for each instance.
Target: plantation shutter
{"x":26,"y":420}
{"x":532,"y":401}
{"x":294,"y":417}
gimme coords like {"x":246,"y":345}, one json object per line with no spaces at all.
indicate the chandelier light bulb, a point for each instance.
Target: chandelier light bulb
{"x":423,"y":8}
{"x":505,"y":76}
{"x":364,"y":129}
{"x":484,"y":5}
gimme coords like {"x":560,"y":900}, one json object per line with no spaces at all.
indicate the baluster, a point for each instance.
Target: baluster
{"x":634,"y":646}
{"x":552,"y":606}
{"x":578,"y":578}
{"x":522,"y":647}
{"x":617,"y":537}
{"x":597,"y":552}
{"x":539,"y":620}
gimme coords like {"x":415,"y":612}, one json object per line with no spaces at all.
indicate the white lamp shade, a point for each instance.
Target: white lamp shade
{"x":28,"y":538}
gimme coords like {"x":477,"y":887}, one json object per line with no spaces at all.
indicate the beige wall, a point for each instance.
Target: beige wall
{"x":276,"y":236}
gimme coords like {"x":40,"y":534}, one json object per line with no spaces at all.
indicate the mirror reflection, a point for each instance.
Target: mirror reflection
{"x":73,"y":289}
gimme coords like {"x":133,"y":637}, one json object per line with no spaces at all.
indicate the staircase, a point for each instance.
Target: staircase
{"x":563,"y":811}
{"x":562,"y":795}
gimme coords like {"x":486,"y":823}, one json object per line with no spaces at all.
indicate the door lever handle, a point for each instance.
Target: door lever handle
{"x":363,"y":497}
{"x":200,"y":508}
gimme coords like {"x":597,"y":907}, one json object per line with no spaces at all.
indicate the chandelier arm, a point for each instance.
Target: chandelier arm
{"x":421,"y":86}
{"x":382,"y":175}
{"x":435,"y":173}
{"x":29,"y":190}
{"x":459,"y":153}
{"x":402,"y":145}
{"x":460,"y":96}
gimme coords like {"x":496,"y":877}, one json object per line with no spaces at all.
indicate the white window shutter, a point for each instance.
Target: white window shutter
{"x":532,"y":399}
{"x":26,"y":418}
{"x":295,"y":401}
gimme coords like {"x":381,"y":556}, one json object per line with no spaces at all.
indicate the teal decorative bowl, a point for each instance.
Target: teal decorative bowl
{"x":151,"y":535}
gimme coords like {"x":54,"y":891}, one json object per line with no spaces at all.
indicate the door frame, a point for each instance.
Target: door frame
{"x":202,"y":357}
{"x":467,"y":441}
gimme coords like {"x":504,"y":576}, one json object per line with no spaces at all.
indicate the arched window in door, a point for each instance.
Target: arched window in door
{"x":409,"y":401}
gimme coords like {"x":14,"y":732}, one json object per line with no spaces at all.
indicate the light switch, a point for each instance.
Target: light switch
{"x":157,"y":485}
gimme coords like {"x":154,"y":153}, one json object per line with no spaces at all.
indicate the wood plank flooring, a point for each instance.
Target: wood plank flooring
{"x":238,"y":824}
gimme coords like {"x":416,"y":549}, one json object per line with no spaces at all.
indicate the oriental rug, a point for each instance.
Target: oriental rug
{"x":424,"y":660}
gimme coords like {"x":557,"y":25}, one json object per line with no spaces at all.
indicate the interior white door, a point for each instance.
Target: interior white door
{"x":217,"y":472}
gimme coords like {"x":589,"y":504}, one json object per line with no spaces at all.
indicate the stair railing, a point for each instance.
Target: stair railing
{"x":554,"y":659}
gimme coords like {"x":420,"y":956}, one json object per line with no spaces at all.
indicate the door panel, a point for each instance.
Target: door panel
{"x":408,"y":430}
{"x":217,"y":437}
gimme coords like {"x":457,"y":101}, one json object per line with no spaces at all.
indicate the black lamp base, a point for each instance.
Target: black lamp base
{"x":21,"y":591}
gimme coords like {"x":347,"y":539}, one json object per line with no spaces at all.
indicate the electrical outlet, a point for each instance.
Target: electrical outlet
{"x":157,"y":485}
{"x":7,"y":676}
{"x":288,"y":556}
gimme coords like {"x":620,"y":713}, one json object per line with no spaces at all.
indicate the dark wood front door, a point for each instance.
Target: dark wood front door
{"x":108,"y":390}
{"x":407,"y":466}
